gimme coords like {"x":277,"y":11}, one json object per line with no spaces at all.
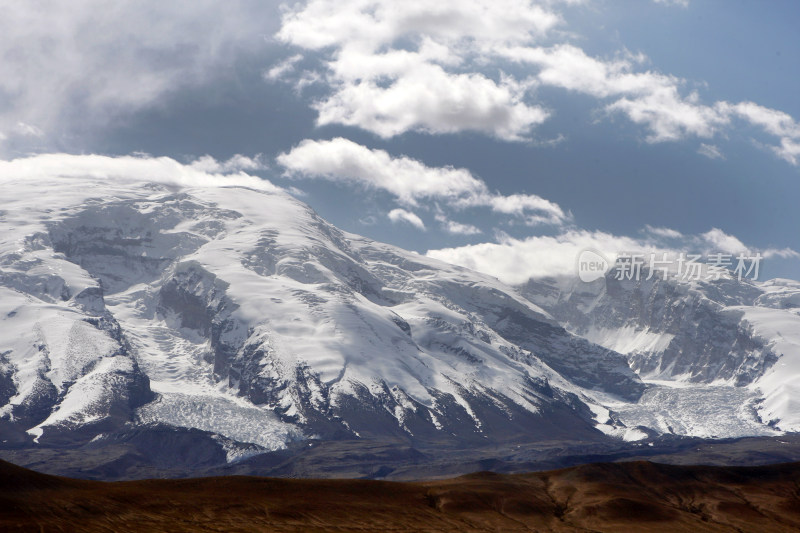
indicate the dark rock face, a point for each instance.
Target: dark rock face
{"x":196,"y":300}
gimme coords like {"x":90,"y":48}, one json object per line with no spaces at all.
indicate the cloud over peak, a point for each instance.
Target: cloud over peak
{"x":204,"y":172}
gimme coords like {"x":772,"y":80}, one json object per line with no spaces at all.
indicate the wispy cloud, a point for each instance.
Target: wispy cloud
{"x":666,"y":233}
{"x":457,"y":228}
{"x":681,"y":3}
{"x":411,"y":181}
{"x":205,"y":172}
{"x":401,"y":215}
{"x":710,"y":151}
{"x":774,"y":122}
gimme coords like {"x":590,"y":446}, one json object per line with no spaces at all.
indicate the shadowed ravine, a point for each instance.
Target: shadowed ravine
{"x":633,"y":496}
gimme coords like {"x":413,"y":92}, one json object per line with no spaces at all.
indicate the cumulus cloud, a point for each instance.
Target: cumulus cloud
{"x":129,"y":169}
{"x":87,"y":61}
{"x":416,"y":66}
{"x":322,"y":23}
{"x":389,"y":67}
{"x":389,"y":88}
{"x":343,"y":160}
{"x":410,"y":180}
{"x":515,"y":261}
{"x":427,"y":98}
{"x":401,"y":215}
{"x":439,"y":85}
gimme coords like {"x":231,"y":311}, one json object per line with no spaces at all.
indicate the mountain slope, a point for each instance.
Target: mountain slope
{"x":722,"y":357}
{"x":239,"y":312}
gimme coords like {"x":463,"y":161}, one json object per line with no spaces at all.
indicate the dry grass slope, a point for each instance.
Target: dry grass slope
{"x":634,"y":496}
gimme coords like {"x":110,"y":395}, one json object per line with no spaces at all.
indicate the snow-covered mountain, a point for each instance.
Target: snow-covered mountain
{"x":240,"y":312}
{"x":722,"y":357}
{"x":236,"y":311}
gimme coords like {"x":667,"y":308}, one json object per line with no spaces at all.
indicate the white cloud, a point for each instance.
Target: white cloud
{"x":457,"y":228}
{"x":437,"y":79}
{"x":722,"y":242}
{"x":789,"y":150}
{"x":440,"y":86}
{"x":427,"y":98}
{"x":783,"y":253}
{"x":681,"y":3}
{"x":401,"y":215}
{"x":568,"y":67}
{"x":666,"y":233}
{"x":236,"y":163}
{"x":515,"y":261}
{"x":85,"y":62}
{"x":415,"y":66}
{"x":534,"y":209}
{"x":774,"y":122}
{"x":129,"y":169}
{"x":710,"y":151}
{"x":410,"y":180}
{"x":389,"y":89}
{"x":717,"y":241}
{"x":283,"y":68}
{"x":373,"y":24}
{"x":653,"y":99}
{"x":648,"y":98}
{"x":669,"y":116}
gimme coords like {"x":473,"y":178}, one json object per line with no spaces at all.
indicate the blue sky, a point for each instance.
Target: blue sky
{"x":502,"y":135}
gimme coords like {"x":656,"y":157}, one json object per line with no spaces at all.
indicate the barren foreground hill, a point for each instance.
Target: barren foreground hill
{"x":633,"y":496}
